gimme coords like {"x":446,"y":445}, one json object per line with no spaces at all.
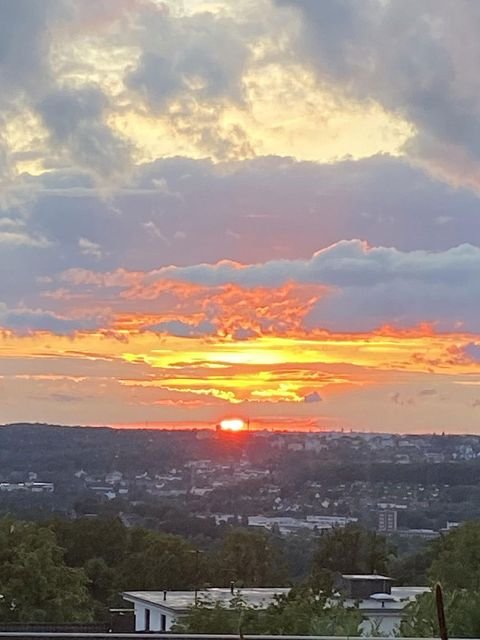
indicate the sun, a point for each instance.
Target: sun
{"x":233,"y":424}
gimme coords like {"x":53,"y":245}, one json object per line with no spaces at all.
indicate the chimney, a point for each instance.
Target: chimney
{"x":232,"y":587}
{"x":164,"y":595}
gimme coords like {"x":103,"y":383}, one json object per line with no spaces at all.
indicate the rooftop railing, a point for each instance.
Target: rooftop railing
{"x":180,"y":636}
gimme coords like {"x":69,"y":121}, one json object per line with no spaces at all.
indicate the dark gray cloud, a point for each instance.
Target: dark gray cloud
{"x":36,"y":83}
{"x":426,"y":393}
{"x":200,"y":57}
{"x":190,"y":68}
{"x":472,"y":351}
{"x":25,"y":38}
{"x":184,"y":330}
{"x":255,"y":211}
{"x":413,"y":58}
{"x":76,"y":120}
{"x":312,"y":397}
{"x":25,"y":320}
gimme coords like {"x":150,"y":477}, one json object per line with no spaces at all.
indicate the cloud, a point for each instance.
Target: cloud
{"x":369,"y":283}
{"x":76,"y":121}
{"x":183,"y":329}
{"x":24,"y":68}
{"x":349,"y":287}
{"x":89,"y":248}
{"x":195,"y":71}
{"x":366,"y":287}
{"x":411,"y":58}
{"x":300,"y":207}
{"x":191,"y":86}
{"x":425,"y":393}
{"x":23,"y":320}
{"x":314,"y":396}
{"x":398,"y":399}
{"x":472,"y":351}
{"x":22,"y":238}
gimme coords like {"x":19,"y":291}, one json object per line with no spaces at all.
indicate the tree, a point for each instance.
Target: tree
{"x":456,"y":564}
{"x":157,"y":561}
{"x":456,"y":558}
{"x":35,"y":584}
{"x":251,"y":559}
{"x":348,"y":550}
{"x":101,"y":585}
{"x":300,"y":613}
{"x":88,"y":538}
{"x":306,"y":612}
{"x":208,"y":617}
{"x":462,"y":612}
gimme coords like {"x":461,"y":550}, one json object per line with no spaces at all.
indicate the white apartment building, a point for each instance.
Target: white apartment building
{"x":382,"y":612}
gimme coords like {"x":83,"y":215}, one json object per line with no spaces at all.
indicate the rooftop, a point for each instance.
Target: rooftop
{"x":182,"y":600}
{"x":364,"y":576}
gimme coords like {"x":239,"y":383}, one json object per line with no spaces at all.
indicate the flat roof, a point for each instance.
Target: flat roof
{"x":182,"y":600}
{"x":364,"y":576}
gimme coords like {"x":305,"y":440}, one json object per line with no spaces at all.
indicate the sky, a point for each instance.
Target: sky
{"x":258,"y":208}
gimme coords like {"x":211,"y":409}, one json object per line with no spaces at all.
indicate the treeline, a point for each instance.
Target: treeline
{"x":55,"y":450}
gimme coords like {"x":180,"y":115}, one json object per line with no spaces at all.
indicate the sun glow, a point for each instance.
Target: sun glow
{"x":233,"y":424}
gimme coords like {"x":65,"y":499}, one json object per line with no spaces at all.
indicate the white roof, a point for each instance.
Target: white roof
{"x":182,"y":600}
{"x":382,"y":596}
{"x":408,"y":593}
{"x":364,"y":576}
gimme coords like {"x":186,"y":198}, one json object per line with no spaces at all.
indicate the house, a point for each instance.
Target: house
{"x":361,"y":586}
{"x":381,"y":605}
{"x":159,"y":610}
{"x":383,"y":612}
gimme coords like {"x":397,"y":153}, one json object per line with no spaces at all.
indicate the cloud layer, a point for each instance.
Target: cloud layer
{"x":269,"y":204}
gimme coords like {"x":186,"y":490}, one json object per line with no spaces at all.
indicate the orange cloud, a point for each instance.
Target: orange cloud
{"x":231,"y":308}
{"x":267,"y":368}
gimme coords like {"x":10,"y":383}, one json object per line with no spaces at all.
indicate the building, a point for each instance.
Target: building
{"x":287,"y":524}
{"x":159,"y":610}
{"x":381,"y":605}
{"x":387,"y":520}
{"x":383,"y":613}
{"x":361,"y":586}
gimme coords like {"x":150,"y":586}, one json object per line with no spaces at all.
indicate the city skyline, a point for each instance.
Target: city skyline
{"x":260,"y":209}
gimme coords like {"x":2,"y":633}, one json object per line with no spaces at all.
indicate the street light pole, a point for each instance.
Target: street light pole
{"x":197,"y":552}
{"x":196,"y":576}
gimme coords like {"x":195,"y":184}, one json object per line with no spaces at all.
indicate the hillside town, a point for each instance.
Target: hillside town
{"x":411,"y":486}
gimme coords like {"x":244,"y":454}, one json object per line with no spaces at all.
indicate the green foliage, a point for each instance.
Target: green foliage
{"x":413,"y":560}
{"x":101,"y":582}
{"x":462,"y":612}
{"x":215,"y":617}
{"x":250,"y":558}
{"x":456,"y":563}
{"x":349,"y":550}
{"x":35,"y":584}
{"x":89,"y":538}
{"x":300,"y":613}
{"x":157,"y":561}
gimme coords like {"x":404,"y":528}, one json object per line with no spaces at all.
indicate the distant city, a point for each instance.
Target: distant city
{"x":411,"y":486}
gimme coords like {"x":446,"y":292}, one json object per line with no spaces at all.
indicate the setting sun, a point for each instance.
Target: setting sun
{"x":232,"y":424}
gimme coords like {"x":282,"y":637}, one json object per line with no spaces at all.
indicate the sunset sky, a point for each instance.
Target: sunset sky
{"x":258,"y":208}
